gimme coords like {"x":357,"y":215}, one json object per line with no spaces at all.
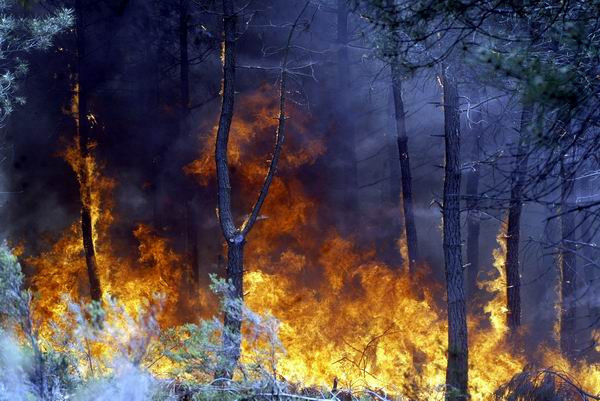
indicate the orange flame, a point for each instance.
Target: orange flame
{"x":133,"y":280}
{"x":343,"y":314}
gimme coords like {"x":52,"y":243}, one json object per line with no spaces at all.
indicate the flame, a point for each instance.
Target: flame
{"x":333,"y":330}
{"x":131,"y":283}
{"x":496,"y":286}
{"x":402,"y":245}
{"x":251,"y":132}
{"x":366,"y":324}
{"x":492,"y":356}
{"x":134,"y":280}
{"x":585,"y":374}
{"x":343,"y":315}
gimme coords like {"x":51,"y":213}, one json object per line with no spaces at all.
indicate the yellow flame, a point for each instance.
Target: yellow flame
{"x":342,"y":313}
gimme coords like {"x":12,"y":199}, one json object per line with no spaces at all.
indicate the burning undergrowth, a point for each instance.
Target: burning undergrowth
{"x":344,"y":317}
{"x":151,"y":269}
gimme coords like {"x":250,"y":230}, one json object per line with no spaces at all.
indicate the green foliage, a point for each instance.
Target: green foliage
{"x":546,"y":55}
{"x":198,"y":352}
{"x":69,"y":369}
{"x":19,"y":36}
{"x":32,"y":369}
{"x":36,"y":371}
{"x":14,"y":300}
{"x":193,"y":348}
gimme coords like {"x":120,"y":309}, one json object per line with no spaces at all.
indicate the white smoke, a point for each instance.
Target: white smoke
{"x":14,"y":383}
{"x":127,"y":383}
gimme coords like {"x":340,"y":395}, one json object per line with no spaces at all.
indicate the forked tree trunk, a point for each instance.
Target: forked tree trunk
{"x":457,"y":369}
{"x":406,"y":178}
{"x":473,"y":220}
{"x":84,"y":145}
{"x":235,"y":237}
{"x":513,"y":228}
{"x":567,"y":261}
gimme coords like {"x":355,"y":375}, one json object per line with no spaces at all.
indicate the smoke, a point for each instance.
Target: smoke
{"x":142,"y":145}
{"x":14,"y":381}
{"x":128,"y":383}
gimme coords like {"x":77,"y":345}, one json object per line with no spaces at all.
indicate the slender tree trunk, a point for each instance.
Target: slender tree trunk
{"x":342,"y":41}
{"x":236,"y":237}
{"x":406,"y":178}
{"x":346,"y":131}
{"x":184,"y":60}
{"x":473,"y":220}
{"x":232,"y":337}
{"x":513,"y":229}
{"x":457,"y":369}
{"x":184,"y":126}
{"x":568,"y":268}
{"x":590,"y":254}
{"x":191,"y":243}
{"x":84,"y":145}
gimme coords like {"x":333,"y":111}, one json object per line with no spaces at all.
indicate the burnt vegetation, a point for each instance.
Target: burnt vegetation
{"x":345,"y":200}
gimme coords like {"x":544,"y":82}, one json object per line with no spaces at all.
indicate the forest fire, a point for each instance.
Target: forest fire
{"x":202,"y":231}
{"x":343,"y":315}
{"x":134,"y":279}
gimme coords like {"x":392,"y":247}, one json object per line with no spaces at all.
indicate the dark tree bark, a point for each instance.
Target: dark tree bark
{"x":457,"y":369}
{"x":191,"y":245}
{"x":83,"y":126}
{"x":233,"y":311}
{"x":342,"y":39}
{"x":184,"y":127}
{"x":406,"y":178}
{"x":235,"y":241}
{"x":567,"y":262}
{"x":590,"y":255}
{"x":345,"y":129}
{"x":513,"y":228}
{"x":235,"y":237}
{"x":473,"y":220}
{"x":184,"y":60}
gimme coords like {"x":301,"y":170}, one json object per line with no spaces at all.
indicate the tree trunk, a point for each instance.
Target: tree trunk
{"x":232,"y":320}
{"x":406,"y":178}
{"x":232,"y":336}
{"x":568,"y":278}
{"x":342,"y":39}
{"x":513,"y":228}
{"x":590,"y":255}
{"x":234,"y":236}
{"x":473,"y":220}
{"x":184,"y":61}
{"x":457,"y":369}
{"x":346,"y":134}
{"x":184,"y":127}
{"x":84,"y":134}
